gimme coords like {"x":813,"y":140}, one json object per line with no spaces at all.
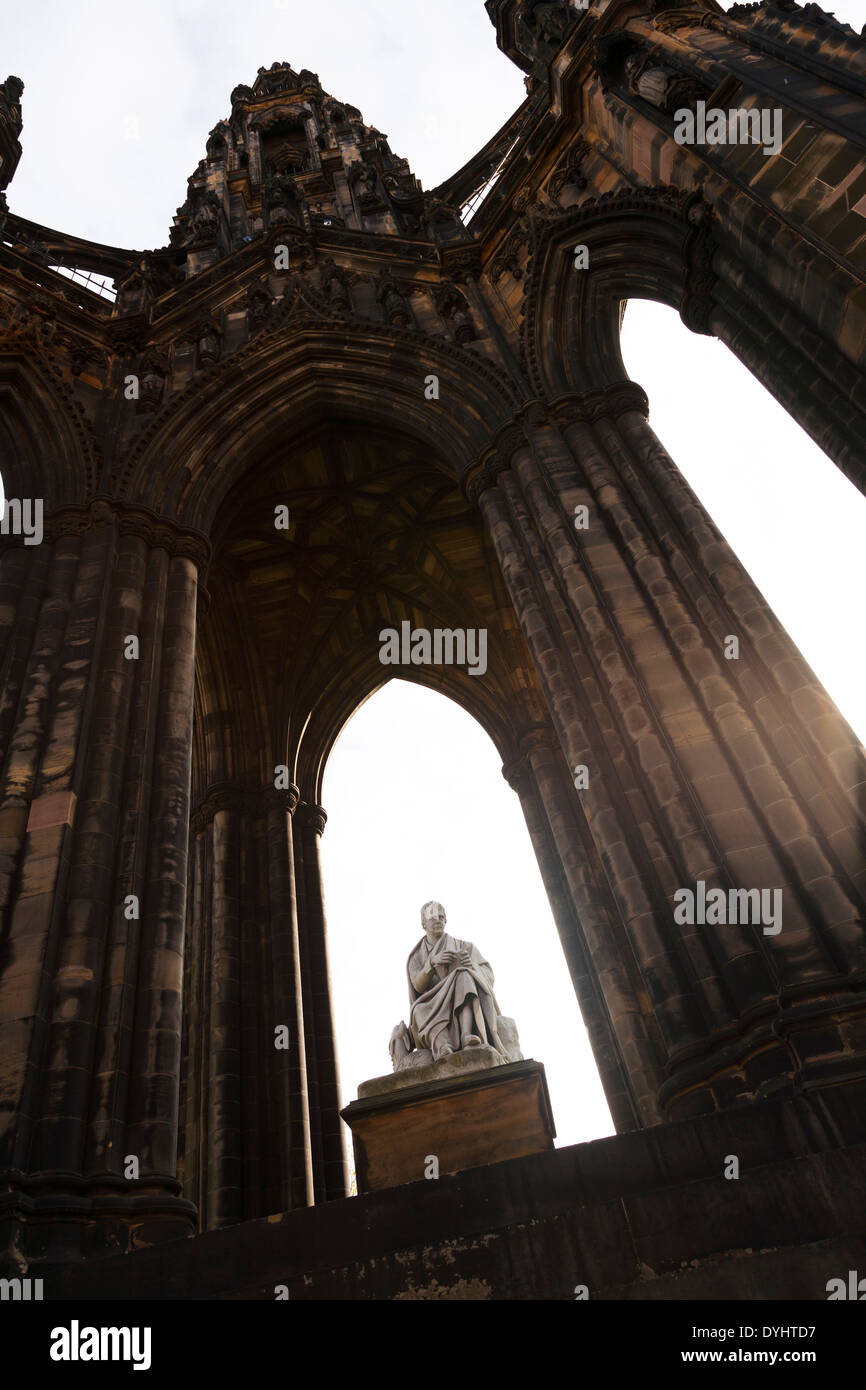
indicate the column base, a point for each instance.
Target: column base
{"x":50,"y":1219}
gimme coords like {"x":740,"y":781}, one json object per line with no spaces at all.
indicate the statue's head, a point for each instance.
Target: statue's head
{"x":433,"y":918}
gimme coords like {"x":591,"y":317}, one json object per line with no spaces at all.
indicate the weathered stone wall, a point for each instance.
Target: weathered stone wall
{"x":637,"y":1216}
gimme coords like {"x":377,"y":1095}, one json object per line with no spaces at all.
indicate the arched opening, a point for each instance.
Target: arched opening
{"x":418,"y":809}
{"x":321,"y":542}
{"x":794,"y":520}
{"x":668,"y":247}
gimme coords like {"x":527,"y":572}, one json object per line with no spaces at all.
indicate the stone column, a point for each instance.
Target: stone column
{"x":587,"y":922}
{"x":329,"y":1160}
{"x":736,"y":773}
{"x":250,"y":1156}
{"x":225,"y":1161}
{"x":94,"y":806}
{"x":290,"y":1065}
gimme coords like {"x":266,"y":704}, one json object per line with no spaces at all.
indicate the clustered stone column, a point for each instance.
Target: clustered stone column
{"x":590,"y":930}
{"x":739,"y":772}
{"x":247,"y":1129}
{"x":98,"y":640}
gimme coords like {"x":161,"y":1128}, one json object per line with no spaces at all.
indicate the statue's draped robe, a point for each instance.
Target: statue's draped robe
{"x":434,"y":1012}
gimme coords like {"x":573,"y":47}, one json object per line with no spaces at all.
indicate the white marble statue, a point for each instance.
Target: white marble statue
{"x":453,"y":1007}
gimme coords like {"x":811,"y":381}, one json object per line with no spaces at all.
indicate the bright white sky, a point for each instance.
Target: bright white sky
{"x":117,"y":107}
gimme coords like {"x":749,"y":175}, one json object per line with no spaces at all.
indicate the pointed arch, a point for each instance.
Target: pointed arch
{"x":305,"y":367}
{"x":673,"y":247}
{"x":46,"y":449}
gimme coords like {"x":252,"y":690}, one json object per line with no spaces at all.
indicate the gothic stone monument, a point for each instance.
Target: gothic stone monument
{"x":430,"y":384}
{"x":442,"y":1105}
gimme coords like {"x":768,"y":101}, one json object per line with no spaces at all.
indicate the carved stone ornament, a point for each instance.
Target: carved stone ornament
{"x":205,"y":223}
{"x":393,"y":302}
{"x":208,"y":341}
{"x":10,"y":104}
{"x":283,"y":202}
{"x":152,"y":371}
{"x":365,"y":179}
{"x":259,"y":305}
{"x":569,"y":173}
{"x":453,"y":307}
{"x":335,"y":285}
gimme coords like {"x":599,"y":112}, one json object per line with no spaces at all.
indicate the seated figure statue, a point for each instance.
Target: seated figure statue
{"x":453,"y":1006}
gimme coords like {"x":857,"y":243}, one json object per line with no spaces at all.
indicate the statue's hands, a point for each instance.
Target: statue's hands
{"x":461,"y":957}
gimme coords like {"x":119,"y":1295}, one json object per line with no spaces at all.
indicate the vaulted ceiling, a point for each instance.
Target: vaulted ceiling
{"x":378,"y":534}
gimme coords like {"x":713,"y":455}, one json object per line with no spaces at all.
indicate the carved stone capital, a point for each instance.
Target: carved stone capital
{"x":493,"y":461}
{"x":533,"y":416}
{"x":538,"y":736}
{"x":227,"y":797}
{"x":312,"y":817}
{"x":283,"y":798}
{"x":519,"y":773}
{"x":585,"y":407}
{"x":159,"y":532}
{"x":245,"y":800}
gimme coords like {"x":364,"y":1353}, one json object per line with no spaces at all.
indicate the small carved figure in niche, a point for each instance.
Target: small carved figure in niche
{"x":152,"y":374}
{"x":209,"y":342}
{"x":335,"y":285}
{"x":661,"y":86}
{"x":206,"y":218}
{"x":136,"y":290}
{"x":366,"y":178}
{"x":395,"y":306}
{"x":453,"y":307}
{"x":551,"y":19}
{"x":259,"y":307}
{"x":283,"y":201}
{"x":10,"y":103}
{"x":543,"y":24}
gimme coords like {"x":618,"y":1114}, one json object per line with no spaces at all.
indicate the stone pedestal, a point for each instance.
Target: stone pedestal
{"x":465,"y":1119}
